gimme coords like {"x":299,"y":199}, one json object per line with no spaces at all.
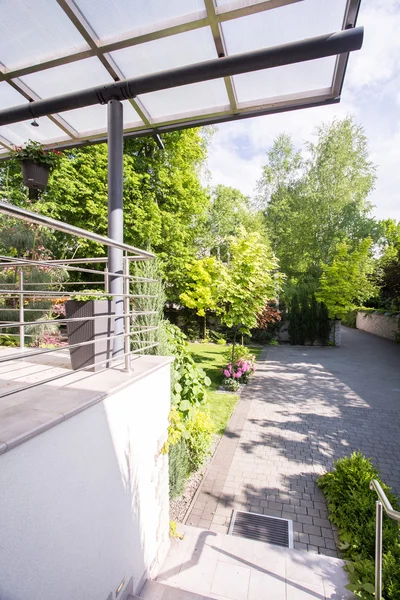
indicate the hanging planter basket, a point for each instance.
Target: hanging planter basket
{"x":35,"y":175}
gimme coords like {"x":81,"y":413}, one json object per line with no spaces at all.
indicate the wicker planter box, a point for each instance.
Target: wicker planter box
{"x":91,"y":330}
{"x":35,"y":176}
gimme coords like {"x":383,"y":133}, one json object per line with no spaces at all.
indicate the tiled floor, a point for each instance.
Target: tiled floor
{"x":304,"y":408}
{"x":219,"y":566}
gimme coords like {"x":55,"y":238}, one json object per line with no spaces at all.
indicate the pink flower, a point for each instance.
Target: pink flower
{"x":227,"y":373}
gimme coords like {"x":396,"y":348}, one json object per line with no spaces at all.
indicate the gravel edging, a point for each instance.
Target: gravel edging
{"x":179,"y":507}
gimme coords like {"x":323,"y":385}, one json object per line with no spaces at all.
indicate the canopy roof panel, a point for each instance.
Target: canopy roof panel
{"x":50,"y":48}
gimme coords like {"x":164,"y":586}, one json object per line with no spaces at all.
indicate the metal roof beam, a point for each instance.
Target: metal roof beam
{"x":220,"y":48}
{"x":30,"y":95}
{"x":297,"y":52}
{"x":87,"y":32}
{"x":284,"y":104}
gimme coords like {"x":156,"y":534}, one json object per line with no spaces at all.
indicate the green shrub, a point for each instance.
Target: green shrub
{"x":231,"y":385}
{"x":273,"y":343}
{"x":351,"y":507}
{"x":39,"y":333}
{"x":263,"y":336}
{"x":189,"y":432}
{"x":324,"y":324}
{"x":179,"y":467}
{"x":240,"y":352}
{"x":350,"y":319}
{"x":188,"y":381}
{"x":221,"y":342}
{"x":200,"y":430}
{"x":8,"y":340}
{"x":295,"y":327}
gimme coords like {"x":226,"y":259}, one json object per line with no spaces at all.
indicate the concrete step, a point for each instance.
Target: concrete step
{"x":206,"y":565}
{"x":157,"y":591}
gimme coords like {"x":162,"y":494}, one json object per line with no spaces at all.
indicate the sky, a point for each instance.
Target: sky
{"x":371,"y":93}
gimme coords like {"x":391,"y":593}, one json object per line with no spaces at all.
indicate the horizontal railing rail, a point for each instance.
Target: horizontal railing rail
{"x":381,"y":504}
{"x":26,"y":215}
{"x":34,"y":293}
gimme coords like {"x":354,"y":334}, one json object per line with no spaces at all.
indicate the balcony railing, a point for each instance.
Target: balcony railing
{"x":34,"y":294}
{"x":381,"y":505}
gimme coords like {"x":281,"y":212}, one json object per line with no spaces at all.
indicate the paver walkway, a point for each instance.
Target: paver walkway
{"x":304,"y":408}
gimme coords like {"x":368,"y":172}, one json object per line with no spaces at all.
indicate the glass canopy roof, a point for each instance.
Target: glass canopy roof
{"x":54,"y":47}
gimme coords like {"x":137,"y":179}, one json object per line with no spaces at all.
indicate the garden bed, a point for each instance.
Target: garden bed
{"x":179,"y":506}
{"x":211,"y":358}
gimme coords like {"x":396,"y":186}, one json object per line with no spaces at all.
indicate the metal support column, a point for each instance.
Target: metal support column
{"x":115,"y":217}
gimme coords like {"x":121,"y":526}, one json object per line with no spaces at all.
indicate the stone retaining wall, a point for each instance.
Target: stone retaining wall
{"x":385,"y":326}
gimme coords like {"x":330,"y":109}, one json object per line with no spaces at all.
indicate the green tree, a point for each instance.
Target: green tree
{"x":229,"y":210}
{"x":316,"y":200}
{"x":164,"y":201}
{"x":346,"y":283}
{"x":252,"y":279}
{"x":205,"y":279}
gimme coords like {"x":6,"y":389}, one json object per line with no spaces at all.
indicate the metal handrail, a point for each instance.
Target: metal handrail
{"x":382,"y":503}
{"x":31,"y":217}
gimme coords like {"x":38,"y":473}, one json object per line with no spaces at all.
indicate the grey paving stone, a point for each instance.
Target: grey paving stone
{"x":300,"y":510}
{"x":300,"y":546}
{"x":328,"y":552}
{"x":330,"y":543}
{"x":272,"y":513}
{"x":317,"y":540}
{"x":321,"y":522}
{"x":304,"y":519}
{"x":312,"y":529}
{"x":327,"y":532}
{"x":297,"y":526}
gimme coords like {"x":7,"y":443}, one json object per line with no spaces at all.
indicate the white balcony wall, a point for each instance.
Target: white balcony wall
{"x":84,"y":505}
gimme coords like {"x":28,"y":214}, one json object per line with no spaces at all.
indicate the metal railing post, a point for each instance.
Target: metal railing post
{"x":21,"y":309}
{"x":378,"y":551}
{"x":106,"y":280}
{"x":127,"y":317}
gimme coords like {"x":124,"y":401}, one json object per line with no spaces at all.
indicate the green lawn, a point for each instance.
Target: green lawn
{"x":210,"y":357}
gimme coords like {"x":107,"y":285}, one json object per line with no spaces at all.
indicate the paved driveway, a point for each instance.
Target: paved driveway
{"x":305,"y":408}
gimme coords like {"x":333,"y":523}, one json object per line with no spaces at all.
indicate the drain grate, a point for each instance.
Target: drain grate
{"x":262,"y":528}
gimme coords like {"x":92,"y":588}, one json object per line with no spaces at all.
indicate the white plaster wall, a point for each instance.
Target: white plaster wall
{"x":85,"y":504}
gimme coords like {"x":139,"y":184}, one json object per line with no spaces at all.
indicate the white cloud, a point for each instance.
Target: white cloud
{"x":239,"y":149}
{"x":379,"y":59}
